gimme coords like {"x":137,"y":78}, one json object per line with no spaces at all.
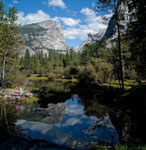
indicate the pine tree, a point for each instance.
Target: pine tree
{"x":108,"y":5}
{"x":137,"y":33}
{"x":27,"y":64}
{"x":10,"y":39}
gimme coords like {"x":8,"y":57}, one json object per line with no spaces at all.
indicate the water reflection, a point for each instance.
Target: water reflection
{"x":81,"y":120}
{"x":8,"y":117}
{"x":53,"y":114}
{"x":73,"y":131}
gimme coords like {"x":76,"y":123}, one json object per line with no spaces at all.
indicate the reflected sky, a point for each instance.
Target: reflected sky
{"x":75,"y":130}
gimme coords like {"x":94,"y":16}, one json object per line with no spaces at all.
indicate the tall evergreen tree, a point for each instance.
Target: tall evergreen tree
{"x":10,"y":39}
{"x":27,"y":64}
{"x":108,"y":5}
{"x":137,"y":33}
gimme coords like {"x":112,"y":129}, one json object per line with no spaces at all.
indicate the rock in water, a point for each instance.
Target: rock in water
{"x":43,"y":36}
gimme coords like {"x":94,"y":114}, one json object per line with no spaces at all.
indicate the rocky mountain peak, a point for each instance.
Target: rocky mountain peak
{"x":110,"y":34}
{"x":43,"y":36}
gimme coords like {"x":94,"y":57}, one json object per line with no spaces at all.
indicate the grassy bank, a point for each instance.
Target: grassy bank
{"x":117,"y":147}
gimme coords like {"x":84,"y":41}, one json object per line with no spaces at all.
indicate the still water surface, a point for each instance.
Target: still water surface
{"x":66,"y":124}
{"x":77,"y":117}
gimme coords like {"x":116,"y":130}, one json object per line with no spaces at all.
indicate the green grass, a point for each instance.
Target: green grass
{"x":121,"y":147}
{"x":31,"y":100}
{"x":116,"y":147}
{"x":67,"y":80}
{"x":35,"y":77}
{"x":2,"y":99}
{"x":127,"y":84}
{"x":13,"y":88}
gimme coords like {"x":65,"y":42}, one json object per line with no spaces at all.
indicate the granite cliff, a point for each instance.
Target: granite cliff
{"x":43,"y":36}
{"x":110,"y":34}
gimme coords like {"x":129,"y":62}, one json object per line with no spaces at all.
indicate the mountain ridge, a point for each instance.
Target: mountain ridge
{"x":43,"y":36}
{"x":110,"y":34}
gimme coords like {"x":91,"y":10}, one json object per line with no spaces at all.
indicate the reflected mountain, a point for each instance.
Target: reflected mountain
{"x":53,"y":114}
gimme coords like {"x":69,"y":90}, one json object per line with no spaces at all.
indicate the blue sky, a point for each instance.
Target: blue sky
{"x":75,"y":16}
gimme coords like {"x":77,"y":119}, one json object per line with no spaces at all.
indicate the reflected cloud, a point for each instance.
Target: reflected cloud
{"x":62,"y":140}
{"x":34,"y":126}
{"x":72,"y":121}
{"x":74,"y":110}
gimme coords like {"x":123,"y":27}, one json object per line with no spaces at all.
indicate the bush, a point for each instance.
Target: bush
{"x":97,"y":72}
{"x":16,"y":79}
{"x":103,"y":70}
{"x":70,"y":72}
{"x":87,"y":75}
{"x":55,"y":74}
{"x":130,"y":74}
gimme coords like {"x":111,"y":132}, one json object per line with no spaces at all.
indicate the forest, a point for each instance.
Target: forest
{"x":96,"y":63}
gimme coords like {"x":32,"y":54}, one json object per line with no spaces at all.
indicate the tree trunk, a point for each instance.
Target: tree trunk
{"x":3,"y":73}
{"x":120,"y":56}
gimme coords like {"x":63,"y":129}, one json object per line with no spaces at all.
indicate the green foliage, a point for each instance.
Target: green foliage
{"x":92,"y":51}
{"x":137,"y":34}
{"x":87,"y":75}
{"x":97,"y":67}
{"x":36,"y":77}
{"x":10,"y":40}
{"x":54,"y":65}
{"x":121,"y":147}
{"x":27,"y":64}
{"x":31,"y":100}
{"x":17,"y":79}
{"x":97,"y":72}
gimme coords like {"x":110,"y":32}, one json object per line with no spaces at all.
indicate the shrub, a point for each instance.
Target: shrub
{"x":55,"y":74}
{"x":70,"y":72}
{"x":97,"y":72}
{"x":87,"y":75}
{"x":16,"y":79}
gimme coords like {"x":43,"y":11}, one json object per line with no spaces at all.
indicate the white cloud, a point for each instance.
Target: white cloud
{"x":55,"y":19}
{"x":57,"y":3}
{"x":73,"y":28}
{"x":88,"y":12}
{"x":74,"y":110}
{"x":14,"y":1}
{"x":32,"y":18}
{"x":92,"y":24}
{"x":62,"y":139}
{"x":67,"y":21}
{"x":43,"y":128}
{"x":10,"y":5}
{"x":72,"y":121}
{"x":70,"y":21}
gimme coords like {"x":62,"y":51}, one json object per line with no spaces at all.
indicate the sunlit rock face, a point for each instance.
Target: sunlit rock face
{"x":111,"y":33}
{"x":53,"y":114}
{"x":92,"y":38}
{"x":43,"y":36}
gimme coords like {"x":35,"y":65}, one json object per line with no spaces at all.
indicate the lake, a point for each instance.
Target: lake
{"x":66,"y":124}
{"x":75,"y":118}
